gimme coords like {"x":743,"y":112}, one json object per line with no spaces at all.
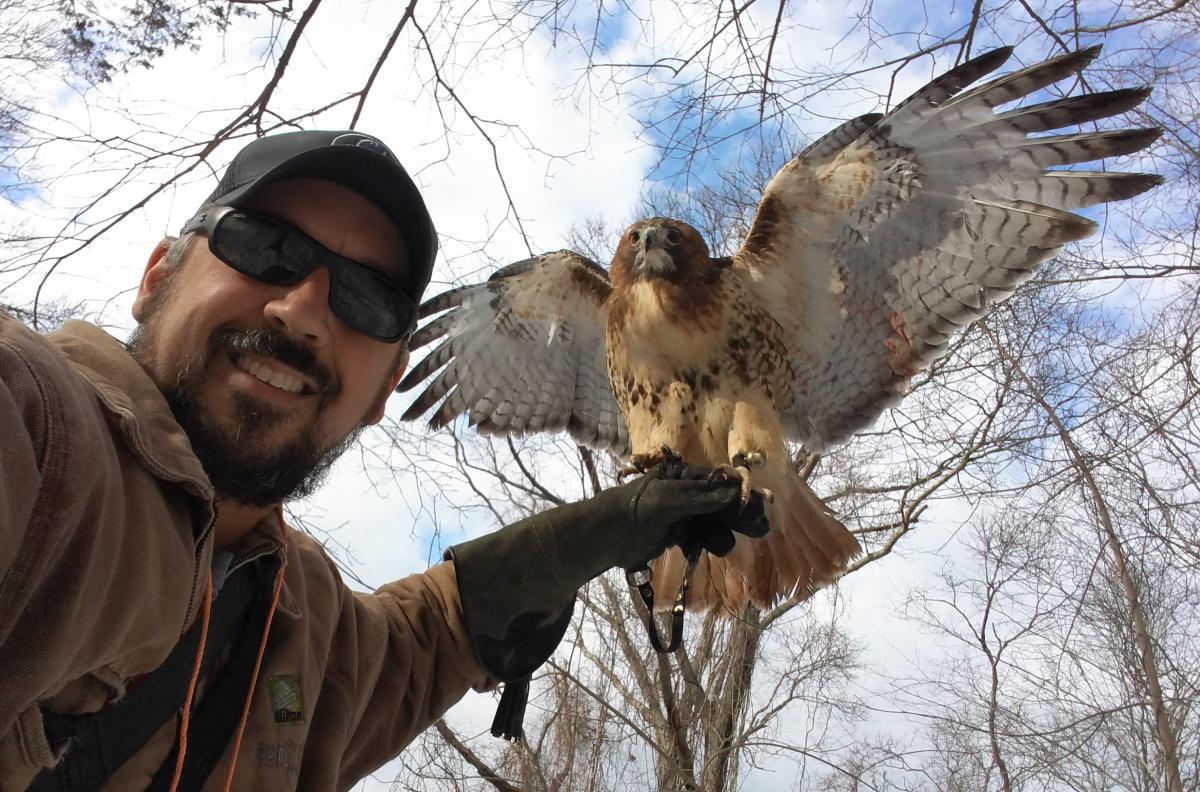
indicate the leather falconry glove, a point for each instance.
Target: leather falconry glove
{"x":518,"y":584}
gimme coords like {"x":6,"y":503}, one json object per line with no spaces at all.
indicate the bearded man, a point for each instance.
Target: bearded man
{"x":160,"y":627}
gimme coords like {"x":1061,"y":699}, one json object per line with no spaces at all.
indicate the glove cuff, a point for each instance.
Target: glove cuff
{"x":515,"y":624}
{"x":517,"y":585}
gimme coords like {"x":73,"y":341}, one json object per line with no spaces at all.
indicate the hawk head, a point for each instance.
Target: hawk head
{"x":660,"y":248}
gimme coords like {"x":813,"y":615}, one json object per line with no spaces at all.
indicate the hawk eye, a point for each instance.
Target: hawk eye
{"x":634,"y":236}
{"x":673,"y":236}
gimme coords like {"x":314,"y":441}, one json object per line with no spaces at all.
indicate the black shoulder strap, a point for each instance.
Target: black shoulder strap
{"x":215,"y":720}
{"x":102,"y":742}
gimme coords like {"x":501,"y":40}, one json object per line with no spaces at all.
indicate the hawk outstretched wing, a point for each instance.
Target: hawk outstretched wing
{"x":523,"y":352}
{"x":868,"y":250}
{"x":882,"y":239}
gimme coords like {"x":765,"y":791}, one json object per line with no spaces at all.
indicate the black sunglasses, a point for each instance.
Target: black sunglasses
{"x":271,"y":251}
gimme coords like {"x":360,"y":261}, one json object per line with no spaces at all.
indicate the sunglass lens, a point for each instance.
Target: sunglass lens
{"x":261,"y":249}
{"x":267,"y":250}
{"x":370,"y":304}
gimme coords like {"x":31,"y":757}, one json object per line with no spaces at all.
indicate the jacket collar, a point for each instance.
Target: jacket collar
{"x":270,"y":536}
{"x":139,"y":412}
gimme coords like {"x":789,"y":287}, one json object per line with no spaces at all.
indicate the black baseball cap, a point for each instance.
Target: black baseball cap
{"x":354,"y":160}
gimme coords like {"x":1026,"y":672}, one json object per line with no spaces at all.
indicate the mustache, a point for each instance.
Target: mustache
{"x":273,"y":344}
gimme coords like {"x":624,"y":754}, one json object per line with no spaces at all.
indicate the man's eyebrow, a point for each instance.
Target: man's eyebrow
{"x":393,"y":271}
{"x":397,"y":269}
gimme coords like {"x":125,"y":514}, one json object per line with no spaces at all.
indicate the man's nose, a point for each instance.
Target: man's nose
{"x":303,"y":310}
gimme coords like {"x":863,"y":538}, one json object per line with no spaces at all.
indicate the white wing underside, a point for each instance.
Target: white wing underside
{"x":880,"y":241}
{"x":522,"y":353}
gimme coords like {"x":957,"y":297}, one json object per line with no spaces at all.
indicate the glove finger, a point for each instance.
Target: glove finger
{"x":662,"y":470}
{"x":679,"y":471}
{"x":717,"y":538}
{"x":755,"y":529}
{"x":754,"y":509}
{"x":695,"y":472}
{"x":749,"y":519}
{"x":708,"y":532}
{"x":700,"y":496}
{"x":704,"y":496}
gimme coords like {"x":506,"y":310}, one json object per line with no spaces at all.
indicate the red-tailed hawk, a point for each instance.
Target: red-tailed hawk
{"x":868,"y":250}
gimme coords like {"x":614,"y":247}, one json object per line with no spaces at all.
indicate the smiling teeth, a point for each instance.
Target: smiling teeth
{"x":272,"y":377}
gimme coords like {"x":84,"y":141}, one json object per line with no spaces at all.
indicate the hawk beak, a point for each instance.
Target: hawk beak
{"x":652,"y":257}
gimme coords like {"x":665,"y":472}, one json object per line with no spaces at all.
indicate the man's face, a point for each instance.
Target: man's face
{"x":269,"y":384}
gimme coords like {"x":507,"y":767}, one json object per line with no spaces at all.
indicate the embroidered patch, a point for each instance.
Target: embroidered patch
{"x":287,"y":705}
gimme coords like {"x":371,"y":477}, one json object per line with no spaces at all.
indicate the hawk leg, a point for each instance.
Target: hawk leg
{"x":740,"y":466}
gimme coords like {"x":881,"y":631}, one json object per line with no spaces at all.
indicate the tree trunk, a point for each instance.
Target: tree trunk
{"x":1164,"y":733}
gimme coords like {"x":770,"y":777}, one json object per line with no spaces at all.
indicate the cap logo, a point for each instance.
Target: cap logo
{"x":364,"y":141}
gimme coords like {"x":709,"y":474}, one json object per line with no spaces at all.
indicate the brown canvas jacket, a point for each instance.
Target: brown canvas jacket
{"x":105,"y":547}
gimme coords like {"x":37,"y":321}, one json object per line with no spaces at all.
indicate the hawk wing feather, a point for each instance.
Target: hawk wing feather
{"x":838,"y":138}
{"x":872,"y":250}
{"x":522,"y":352}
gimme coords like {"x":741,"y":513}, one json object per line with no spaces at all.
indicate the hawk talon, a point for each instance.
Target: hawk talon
{"x":669,"y":455}
{"x":743,"y":473}
{"x":625,"y":471}
{"x":640,"y":464}
{"x":723,"y":473}
{"x":740,"y":469}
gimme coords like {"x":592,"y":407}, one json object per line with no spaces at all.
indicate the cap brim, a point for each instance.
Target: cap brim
{"x":380,"y":180}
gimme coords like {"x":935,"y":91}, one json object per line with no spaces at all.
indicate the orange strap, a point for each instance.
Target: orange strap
{"x":262,"y":650}
{"x":186,"y":715}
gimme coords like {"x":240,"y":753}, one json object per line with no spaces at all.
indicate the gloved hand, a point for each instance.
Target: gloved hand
{"x":676,"y":504}
{"x":518,"y":585}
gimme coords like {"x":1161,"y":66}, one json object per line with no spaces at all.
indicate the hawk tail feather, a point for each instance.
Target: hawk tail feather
{"x":805,"y":548}
{"x":808,"y":545}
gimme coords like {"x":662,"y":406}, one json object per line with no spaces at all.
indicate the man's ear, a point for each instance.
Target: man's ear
{"x":377,"y":414}
{"x":157,"y":268}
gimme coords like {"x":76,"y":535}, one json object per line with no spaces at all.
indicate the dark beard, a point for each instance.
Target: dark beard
{"x":235,"y":463}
